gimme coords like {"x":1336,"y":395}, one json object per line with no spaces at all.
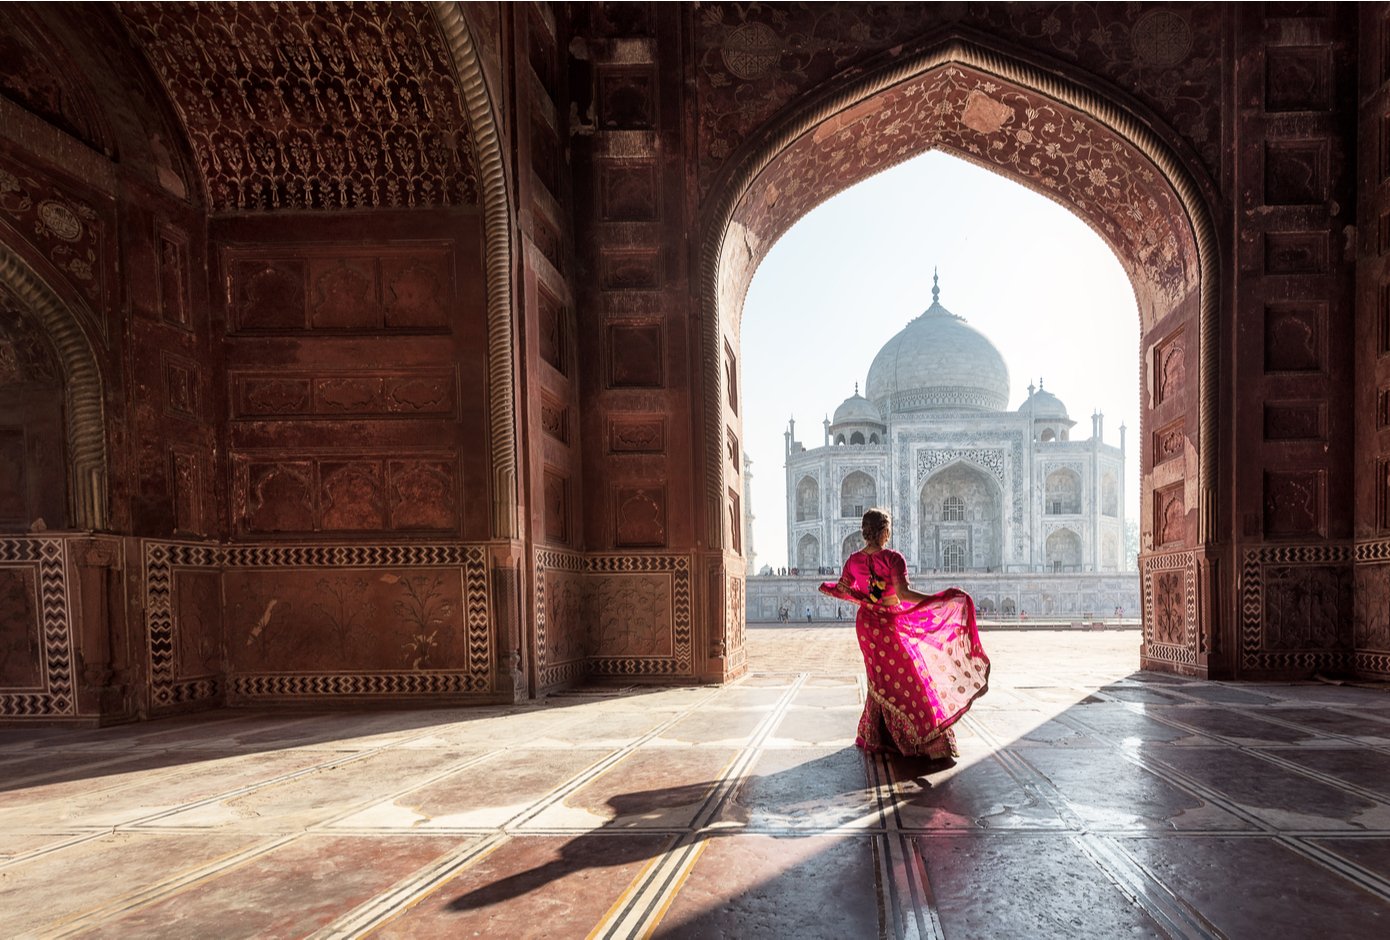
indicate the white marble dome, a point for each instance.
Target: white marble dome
{"x":857,"y":410}
{"x":938,"y":362}
{"x":1044,"y":404}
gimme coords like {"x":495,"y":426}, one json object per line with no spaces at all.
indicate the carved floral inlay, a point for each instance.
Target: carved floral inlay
{"x":1055,"y":149}
{"x":313,"y":105}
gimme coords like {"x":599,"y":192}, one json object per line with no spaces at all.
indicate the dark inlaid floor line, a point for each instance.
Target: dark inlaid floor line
{"x":157,"y":892}
{"x":1147,"y":891}
{"x":598,"y":768}
{"x":655,"y":888}
{"x":95,"y":832}
{"x":134,"y":900}
{"x":409,"y":891}
{"x":1362,"y":877}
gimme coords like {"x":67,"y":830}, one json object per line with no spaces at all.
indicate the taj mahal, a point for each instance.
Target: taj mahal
{"x":1015,"y":506}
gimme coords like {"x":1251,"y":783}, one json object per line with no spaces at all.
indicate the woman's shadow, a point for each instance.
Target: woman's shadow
{"x":643,"y":824}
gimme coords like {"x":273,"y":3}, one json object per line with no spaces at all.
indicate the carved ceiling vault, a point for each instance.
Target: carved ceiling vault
{"x":1047,"y":146}
{"x":313,"y":105}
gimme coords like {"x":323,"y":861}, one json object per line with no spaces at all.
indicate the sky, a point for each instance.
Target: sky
{"x":1030,"y":275}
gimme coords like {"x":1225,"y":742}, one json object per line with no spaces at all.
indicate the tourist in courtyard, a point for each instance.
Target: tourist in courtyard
{"x":922,"y":651}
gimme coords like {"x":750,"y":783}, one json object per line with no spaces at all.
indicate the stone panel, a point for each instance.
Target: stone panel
{"x":627,"y":97}
{"x":1296,"y":172}
{"x":630,"y":270}
{"x":628,"y":192}
{"x":637,"y":435}
{"x":1296,"y":609}
{"x":347,"y":493}
{"x":1170,"y":515}
{"x":629,"y":615}
{"x":175,"y":297}
{"x":329,"y":290}
{"x":1295,"y":503}
{"x":1296,"y":253}
{"x":1170,"y":367}
{"x":198,"y":609}
{"x":21,"y":632}
{"x":1295,"y":337}
{"x":1298,"y":78}
{"x":635,"y":356}
{"x":1295,"y":420}
{"x":330,"y":394}
{"x":38,"y":608}
{"x":388,"y":619}
{"x":639,"y":516}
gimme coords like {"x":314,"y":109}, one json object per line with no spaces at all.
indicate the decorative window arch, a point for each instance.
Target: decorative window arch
{"x":953,"y":556}
{"x":839,"y":439}
{"x":857,"y":437}
{"x":807,"y":499}
{"x":858,"y":493}
{"x":1062,"y":492}
{"x":808,"y":553}
{"x":873,"y":438}
{"x":953,"y":509}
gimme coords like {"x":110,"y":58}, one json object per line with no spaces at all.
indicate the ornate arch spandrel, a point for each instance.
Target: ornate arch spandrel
{"x":731,"y":250}
{"x":85,"y":418}
{"x":497,"y":248}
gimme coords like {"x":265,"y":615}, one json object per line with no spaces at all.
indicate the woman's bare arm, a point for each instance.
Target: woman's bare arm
{"x":906,"y":594}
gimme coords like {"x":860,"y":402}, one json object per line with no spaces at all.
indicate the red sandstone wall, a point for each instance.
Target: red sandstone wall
{"x":1372,"y":348}
{"x":1294,"y":185}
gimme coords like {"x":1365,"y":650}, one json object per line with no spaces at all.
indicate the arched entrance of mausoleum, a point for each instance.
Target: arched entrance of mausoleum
{"x":1088,"y":152}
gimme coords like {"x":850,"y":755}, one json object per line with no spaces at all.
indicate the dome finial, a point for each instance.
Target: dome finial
{"x":856,"y":389}
{"x":1040,"y":384}
{"x":935,"y":288}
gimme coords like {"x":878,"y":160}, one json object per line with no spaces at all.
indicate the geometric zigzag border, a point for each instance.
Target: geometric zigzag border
{"x":163,"y":558}
{"x":48,"y":557}
{"x":676,"y":665}
{"x":1252,"y":607}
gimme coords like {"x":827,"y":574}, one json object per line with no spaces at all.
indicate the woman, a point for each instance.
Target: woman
{"x":922,"y":651}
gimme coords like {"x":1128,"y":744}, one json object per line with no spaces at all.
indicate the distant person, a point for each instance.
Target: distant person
{"x":808,"y":615}
{"x":922,"y":652}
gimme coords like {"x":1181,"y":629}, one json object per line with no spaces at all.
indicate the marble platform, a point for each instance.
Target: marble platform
{"x":1090,"y":801}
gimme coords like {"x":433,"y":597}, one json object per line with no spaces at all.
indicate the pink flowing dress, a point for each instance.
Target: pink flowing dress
{"x":924,"y":661}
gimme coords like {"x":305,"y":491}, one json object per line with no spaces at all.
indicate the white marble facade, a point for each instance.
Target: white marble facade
{"x":974,"y":489}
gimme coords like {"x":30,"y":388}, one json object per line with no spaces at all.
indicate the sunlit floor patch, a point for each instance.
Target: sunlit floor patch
{"x":1089,"y":800}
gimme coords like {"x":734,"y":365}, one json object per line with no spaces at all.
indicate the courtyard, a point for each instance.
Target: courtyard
{"x":1090,"y":801}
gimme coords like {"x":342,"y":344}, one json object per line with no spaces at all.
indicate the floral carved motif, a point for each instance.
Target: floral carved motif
{"x":1170,"y":605}
{"x":754,"y":59}
{"x":71,"y":234}
{"x":312,"y":105}
{"x":1045,"y":145}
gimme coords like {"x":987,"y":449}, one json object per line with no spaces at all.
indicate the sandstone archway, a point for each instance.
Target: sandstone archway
{"x":1090,"y":152}
{"x":84,"y":426}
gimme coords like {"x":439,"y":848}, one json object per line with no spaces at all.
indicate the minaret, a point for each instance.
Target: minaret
{"x":826,"y":425}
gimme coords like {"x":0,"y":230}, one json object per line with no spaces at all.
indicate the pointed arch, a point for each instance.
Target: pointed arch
{"x":732,"y":247}
{"x":965,"y":95}
{"x":83,"y":385}
{"x":497,"y":247}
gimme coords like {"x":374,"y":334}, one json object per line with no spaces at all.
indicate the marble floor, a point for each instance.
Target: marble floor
{"x":1090,"y":801}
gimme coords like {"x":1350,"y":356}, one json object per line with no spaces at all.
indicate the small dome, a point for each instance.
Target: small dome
{"x":1044,"y":404}
{"x":938,"y":362}
{"x":857,"y":410}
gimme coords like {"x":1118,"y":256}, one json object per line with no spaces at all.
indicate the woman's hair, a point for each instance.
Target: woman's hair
{"x":874,"y":524}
